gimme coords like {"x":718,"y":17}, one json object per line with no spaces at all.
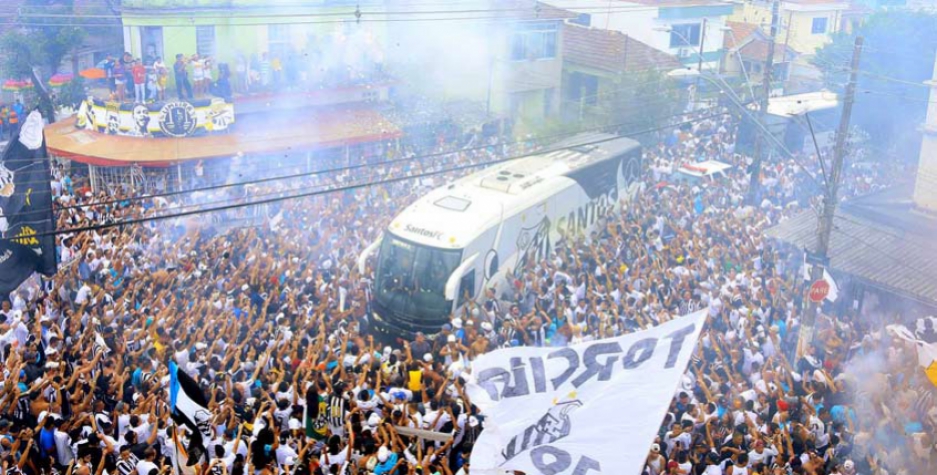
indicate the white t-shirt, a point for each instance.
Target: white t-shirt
{"x":754,"y":458}
{"x":145,"y":466}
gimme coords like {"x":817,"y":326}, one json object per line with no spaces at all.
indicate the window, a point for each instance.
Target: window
{"x":152,"y":40}
{"x":819,"y":26}
{"x":533,"y":41}
{"x":467,"y":287}
{"x":205,"y":40}
{"x":583,"y":88}
{"x":583,"y":19}
{"x":278,"y":40}
{"x":411,"y":278}
{"x":687,"y":34}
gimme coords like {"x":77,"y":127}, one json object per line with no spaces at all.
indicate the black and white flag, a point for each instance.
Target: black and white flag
{"x":190,"y":409}
{"x":26,"y":217}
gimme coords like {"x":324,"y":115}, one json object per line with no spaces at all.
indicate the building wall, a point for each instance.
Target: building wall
{"x":649,"y":25}
{"x":474,"y":62}
{"x":925,"y":190}
{"x":244,"y":34}
{"x":795,"y":25}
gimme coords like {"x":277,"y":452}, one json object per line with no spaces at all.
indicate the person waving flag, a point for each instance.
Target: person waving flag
{"x":189,"y":408}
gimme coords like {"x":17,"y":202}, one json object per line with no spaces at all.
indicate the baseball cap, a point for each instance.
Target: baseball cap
{"x":655,"y":448}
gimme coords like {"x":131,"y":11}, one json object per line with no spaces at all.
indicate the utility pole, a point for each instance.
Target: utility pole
{"x":825,"y":228}
{"x":754,"y":182}
{"x":699,"y":64}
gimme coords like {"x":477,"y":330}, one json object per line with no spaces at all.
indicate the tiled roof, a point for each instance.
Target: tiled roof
{"x":612,"y":51}
{"x":757,"y":50}
{"x":883,"y":256}
{"x":738,"y":34}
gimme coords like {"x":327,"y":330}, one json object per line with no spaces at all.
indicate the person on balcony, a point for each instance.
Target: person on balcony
{"x":182,"y":78}
{"x":138,"y":73}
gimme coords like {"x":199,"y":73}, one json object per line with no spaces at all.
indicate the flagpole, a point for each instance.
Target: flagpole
{"x":177,"y":451}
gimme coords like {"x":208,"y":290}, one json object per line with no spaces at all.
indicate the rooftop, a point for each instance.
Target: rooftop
{"x":757,"y":50}
{"x":739,"y":32}
{"x":612,"y":51}
{"x":878,"y":239}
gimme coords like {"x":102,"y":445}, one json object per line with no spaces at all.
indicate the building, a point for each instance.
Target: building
{"x":804,"y":25}
{"x":319,"y":43}
{"x":746,"y":50}
{"x":511,"y":65}
{"x":320,"y":78}
{"x":691,"y":30}
{"x":882,"y":243}
{"x":600,"y":65}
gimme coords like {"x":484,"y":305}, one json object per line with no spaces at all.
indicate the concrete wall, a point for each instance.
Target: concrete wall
{"x":649,"y":25}
{"x":925,"y":186}
{"x":795,"y":23}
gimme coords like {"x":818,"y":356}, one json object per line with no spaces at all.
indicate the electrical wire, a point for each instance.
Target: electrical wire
{"x":341,"y":188}
{"x":416,"y":159}
{"x":298,"y":19}
{"x":649,"y":102}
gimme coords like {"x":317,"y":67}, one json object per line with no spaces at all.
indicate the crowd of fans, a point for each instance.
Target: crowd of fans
{"x":273,"y":323}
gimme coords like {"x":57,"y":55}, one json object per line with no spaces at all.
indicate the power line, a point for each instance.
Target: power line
{"x":341,"y":188}
{"x":219,"y":13}
{"x":419,"y":158}
{"x":301,"y":20}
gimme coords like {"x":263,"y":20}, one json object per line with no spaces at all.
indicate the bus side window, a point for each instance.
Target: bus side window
{"x":467,"y":286}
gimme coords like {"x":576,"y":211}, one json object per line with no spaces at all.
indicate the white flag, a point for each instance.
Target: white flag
{"x":587,"y":409}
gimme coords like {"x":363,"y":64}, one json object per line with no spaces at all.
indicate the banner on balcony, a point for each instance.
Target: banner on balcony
{"x":159,"y":119}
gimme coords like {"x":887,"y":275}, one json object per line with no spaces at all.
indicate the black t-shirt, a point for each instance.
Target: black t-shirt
{"x":418,"y":349}
{"x":179,"y":68}
{"x":139,"y":450}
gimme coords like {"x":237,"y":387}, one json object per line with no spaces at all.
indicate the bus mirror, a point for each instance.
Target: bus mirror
{"x":363,"y":258}
{"x":452,"y":284}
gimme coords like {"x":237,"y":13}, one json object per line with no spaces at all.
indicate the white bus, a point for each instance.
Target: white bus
{"x":467,"y":236}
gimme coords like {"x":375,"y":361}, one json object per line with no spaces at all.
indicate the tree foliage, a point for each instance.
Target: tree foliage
{"x":898,"y":56}
{"x":42,"y":37}
{"x":44,"y":33}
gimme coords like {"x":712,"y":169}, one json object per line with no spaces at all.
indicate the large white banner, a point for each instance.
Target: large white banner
{"x":587,"y":409}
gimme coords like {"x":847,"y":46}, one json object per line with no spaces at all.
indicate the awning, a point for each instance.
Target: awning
{"x":886,"y":257}
{"x":297,"y":130}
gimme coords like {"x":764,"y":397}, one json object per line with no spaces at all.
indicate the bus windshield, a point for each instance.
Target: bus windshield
{"x":411,"y":280}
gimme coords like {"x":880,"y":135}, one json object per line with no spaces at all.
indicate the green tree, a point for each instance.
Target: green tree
{"x":645,"y":101}
{"x":898,"y":56}
{"x":45,"y":32}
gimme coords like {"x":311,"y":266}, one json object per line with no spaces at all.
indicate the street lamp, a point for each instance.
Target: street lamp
{"x":702,"y":42}
{"x":735,"y":43}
